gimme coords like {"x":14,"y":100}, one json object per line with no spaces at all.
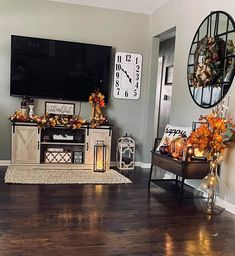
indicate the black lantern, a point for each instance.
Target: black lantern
{"x":100,"y":156}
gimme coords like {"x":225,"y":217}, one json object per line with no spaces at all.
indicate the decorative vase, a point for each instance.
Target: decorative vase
{"x":209,"y":191}
{"x":31,"y":110}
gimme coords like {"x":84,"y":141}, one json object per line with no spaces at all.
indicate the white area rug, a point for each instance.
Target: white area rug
{"x":66,"y":175}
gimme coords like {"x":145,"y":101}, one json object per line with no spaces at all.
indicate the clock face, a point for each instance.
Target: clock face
{"x":127,"y":75}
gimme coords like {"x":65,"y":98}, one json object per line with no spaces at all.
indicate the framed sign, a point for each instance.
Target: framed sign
{"x":59,"y":108}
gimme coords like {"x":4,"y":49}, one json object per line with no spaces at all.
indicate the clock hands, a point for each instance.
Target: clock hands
{"x":126,"y":74}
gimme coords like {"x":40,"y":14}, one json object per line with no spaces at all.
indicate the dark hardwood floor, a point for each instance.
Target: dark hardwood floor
{"x":108,"y":220}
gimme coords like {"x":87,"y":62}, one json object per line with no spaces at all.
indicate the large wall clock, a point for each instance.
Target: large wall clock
{"x":127,"y":75}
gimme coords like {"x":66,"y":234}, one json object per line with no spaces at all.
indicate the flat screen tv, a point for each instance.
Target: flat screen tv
{"x":53,"y":69}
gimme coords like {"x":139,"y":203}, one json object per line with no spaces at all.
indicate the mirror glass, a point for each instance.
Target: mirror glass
{"x":211,"y":60}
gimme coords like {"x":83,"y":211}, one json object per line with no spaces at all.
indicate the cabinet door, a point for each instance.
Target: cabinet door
{"x":91,"y":140}
{"x":25,"y":145}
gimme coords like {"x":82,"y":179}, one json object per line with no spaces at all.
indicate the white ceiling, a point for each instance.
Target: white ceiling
{"x":139,"y":6}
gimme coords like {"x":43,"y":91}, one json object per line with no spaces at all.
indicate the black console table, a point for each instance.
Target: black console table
{"x":195,"y":169}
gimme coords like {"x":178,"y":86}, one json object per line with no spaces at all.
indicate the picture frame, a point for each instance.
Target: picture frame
{"x":59,"y":108}
{"x":169,"y":75}
{"x":196,"y":124}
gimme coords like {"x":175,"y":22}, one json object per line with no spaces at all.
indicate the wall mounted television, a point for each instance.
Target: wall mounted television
{"x":53,"y":69}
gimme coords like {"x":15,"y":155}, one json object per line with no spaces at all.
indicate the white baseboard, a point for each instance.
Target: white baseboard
{"x":138,"y":164}
{"x":228,"y":206}
{"x":5,"y":162}
{"x":142,"y":165}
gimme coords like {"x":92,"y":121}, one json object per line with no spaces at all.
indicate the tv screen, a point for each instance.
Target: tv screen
{"x":53,"y":69}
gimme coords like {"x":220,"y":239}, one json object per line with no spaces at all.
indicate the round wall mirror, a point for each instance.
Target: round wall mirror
{"x":211,"y":61}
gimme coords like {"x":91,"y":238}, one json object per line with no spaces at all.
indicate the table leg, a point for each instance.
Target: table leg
{"x":150,"y":175}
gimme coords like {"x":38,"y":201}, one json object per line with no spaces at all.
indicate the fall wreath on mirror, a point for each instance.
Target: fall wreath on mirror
{"x":210,"y":61}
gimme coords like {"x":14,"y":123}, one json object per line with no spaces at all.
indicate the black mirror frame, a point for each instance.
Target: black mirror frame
{"x":221,"y":42}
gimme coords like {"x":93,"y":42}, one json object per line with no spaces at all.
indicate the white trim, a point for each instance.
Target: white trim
{"x":228,"y":206}
{"x":142,"y":165}
{"x":5,"y":162}
{"x":137,"y":164}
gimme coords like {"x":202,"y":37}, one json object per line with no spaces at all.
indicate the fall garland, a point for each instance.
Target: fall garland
{"x":49,"y":121}
{"x":52,"y":121}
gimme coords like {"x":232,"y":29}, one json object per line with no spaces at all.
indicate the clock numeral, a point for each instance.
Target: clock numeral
{"x":135,"y":92}
{"x":117,"y":83}
{"x":137,"y":68}
{"x":136,"y":60}
{"x":137,"y":85}
{"x":118,"y":67}
{"x":117,"y":74}
{"x":119,"y":58}
{"x":128,"y":57}
{"x":137,"y":76}
{"x":118,"y":91}
{"x":126,"y":93}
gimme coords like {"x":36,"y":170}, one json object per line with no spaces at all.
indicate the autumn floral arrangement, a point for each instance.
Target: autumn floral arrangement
{"x":209,"y":69}
{"x":215,"y":133}
{"x":96,"y":99}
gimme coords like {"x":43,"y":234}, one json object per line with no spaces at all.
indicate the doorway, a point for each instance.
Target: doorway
{"x":165,"y":81}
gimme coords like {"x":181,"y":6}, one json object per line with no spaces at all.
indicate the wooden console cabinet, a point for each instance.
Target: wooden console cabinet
{"x":30,"y":143}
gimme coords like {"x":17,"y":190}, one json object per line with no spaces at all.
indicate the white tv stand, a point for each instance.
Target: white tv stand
{"x":30,"y":143}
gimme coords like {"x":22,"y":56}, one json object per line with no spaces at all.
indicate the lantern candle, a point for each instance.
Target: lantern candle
{"x":198,"y":153}
{"x":99,"y":157}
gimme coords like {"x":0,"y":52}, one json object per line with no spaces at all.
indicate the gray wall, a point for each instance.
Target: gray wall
{"x":40,"y":18}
